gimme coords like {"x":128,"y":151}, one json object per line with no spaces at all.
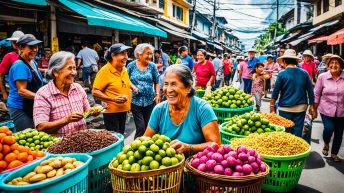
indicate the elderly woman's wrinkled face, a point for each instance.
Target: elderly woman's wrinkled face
{"x":200,"y":57}
{"x":146,"y":56}
{"x":120,"y":59}
{"x":28,"y":52}
{"x":67,"y":74}
{"x":174,"y":90}
{"x":334,"y":66}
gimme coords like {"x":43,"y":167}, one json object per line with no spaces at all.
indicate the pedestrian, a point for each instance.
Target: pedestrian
{"x":323,"y":64}
{"x":204,"y":70}
{"x":89,"y":59}
{"x":294,"y":90}
{"x":245,"y":74}
{"x":112,"y":86}
{"x":184,"y":57}
{"x":258,"y":79}
{"x":262,"y":57}
{"x":329,"y":97}
{"x":24,"y":80}
{"x":144,"y":78}
{"x":309,"y":65}
{"x":44,"y":62}
{"x":165,"y":60}
{"x":269,"y":67}
{"x":158,"y":61}
{"x":227,"y":68}
{"x":218,"y":70}
{"x":252,"y":60}
{"x":7,"y":62}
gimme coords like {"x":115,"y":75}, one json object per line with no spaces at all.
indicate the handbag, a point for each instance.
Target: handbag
{"x":94,"y":67}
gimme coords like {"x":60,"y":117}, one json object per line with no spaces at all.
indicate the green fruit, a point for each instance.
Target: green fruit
{"x":137,"y":155}
{"x":120,"y":167}
{"x":233,"y":106}
{"x":27,"y":144}
{"x":166,"y":161}
{"x":135,"y":167}
{"x":144,"y":138}
{"x":131,"y":159}
{"x":28,"y":135}
{"x":125,"y":162}
{"x":127,"y":167}
{"x":144,"y":168}
{"x":257,"y":124}
{"x":159,"y":143}
{"x":130,"y":153}
{"x":260,"y":130}
{"x":250,"y":123}
{"x":30,"y":140}
{"x":36,"y":137}
{"x":22,"y":142}
{"x":166,"y":145}
{"x":155,"y":137}
{"x":115,"y":163}
{"x":179,"y":157}
{"x":158,"y":158}
{"x":162,"y":153}
{"x":267,"y":130}
{"x":127,"y":148}
{"x":247,"y":133}
{"x":225,"y":98}
{"x":37,"y":147}
{"x":46,"y":144}
{"x":135,"y":144}
{"x":150,"y":153}
{"x":265,"y":122}
{"x":154,"y":148}
{"x":170,"y":152}
{"x":153,"y":165}
{"x":145,"y":143}
{"x":22,"y":136}
{"x":139,"y":162}
{"x":162,"y":167}
{"x":146,"y":160}
{"x":32,"y":145}
{"x":121,"y":158}
{"x":175,"y":161}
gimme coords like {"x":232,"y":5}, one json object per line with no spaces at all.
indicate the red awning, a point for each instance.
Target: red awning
{"x":336,"y":38}
{"x":318,"y":39}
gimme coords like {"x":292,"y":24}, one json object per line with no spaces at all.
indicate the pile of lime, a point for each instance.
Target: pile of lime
{"x":248,"y":123}
{"x":229,"y":97}
{"x":146,"y":153}
{"x":35,"y":140}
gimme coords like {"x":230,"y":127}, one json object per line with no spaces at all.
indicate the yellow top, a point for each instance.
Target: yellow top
{"x":114,"y":83}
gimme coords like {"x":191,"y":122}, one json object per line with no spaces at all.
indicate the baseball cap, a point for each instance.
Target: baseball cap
{"x":118,"y":48}
{"x":28,"y":39}
{"x":15,"y":36}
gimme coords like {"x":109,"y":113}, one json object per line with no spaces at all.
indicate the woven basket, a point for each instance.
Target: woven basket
{"x":207,"y":183}
{"x":165,"y":180}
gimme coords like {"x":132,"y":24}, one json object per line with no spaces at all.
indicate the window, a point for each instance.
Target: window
{"x":338,"y":2}
{"x":325,"y":5}
{"x":178,"y":13}
{"x":319,"y":7}
{"x":161,"y":4}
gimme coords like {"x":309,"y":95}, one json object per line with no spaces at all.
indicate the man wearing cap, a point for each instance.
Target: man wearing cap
{"x":294,"y":90}
{"x":89,"y":59}
{"x":247,"y":69}
{"x":8,"y":60}
{"x":309,"y":65}
{"x":184,"y":57}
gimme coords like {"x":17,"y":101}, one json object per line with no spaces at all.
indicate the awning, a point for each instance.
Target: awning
{"x":301,"y":39}
{"x":215,"y":45}
{"x":177,"y":33}
{"x":336,"y":38}
{"x":318,"y":39}
{"x":328,"y":24}
{"x":290,"y":37}
{"x":33,"y":2}
{"x":100,"y":16}
{"x":199,"y":35}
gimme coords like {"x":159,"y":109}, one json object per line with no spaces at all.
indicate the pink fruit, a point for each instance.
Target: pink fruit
{"x":228,"y":171}
{"x":210,"y":164}
{"x":195,"y":162}
{"x":203,"y":159}
{"x":227,"y":148}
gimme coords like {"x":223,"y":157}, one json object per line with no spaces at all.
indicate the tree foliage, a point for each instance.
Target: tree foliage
{"x":264,"y":39}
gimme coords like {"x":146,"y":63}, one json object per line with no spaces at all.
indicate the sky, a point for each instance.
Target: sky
{"x":247,"y":18}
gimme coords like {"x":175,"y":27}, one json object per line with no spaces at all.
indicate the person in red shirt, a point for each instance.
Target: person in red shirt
{"x":309,"y":65}
{"x":8,"y":60}
{"x":227,"y":68}
{"x":204,"y":69}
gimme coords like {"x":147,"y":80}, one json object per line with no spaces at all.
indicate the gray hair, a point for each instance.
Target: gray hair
{"x":184,"y":74}
{"x":58,"y":61}
{"x":141,"y":48}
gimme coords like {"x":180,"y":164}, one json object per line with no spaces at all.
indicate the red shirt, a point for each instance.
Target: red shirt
{"x":310,"y":68}
{"x":7,"y":62}
{"x":204,"y":73}
{"x":227,"y":66}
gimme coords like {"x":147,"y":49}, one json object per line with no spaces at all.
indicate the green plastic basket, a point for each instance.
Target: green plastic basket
{"x":73,"y":182}
{"x":223,"y":113}
{"x":285,"y":171}
{"x":200,"y":93}
{"x":99,"y":174}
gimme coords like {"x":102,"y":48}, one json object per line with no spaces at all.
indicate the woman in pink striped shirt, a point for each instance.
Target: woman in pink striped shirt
{"x":329,"y":97}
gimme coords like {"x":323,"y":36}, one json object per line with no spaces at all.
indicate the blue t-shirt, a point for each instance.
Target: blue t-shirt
{"x":19,"y":71}
{"x":88,"y":56}
{"x":190,"y":130}
{"x":252,"y":64}
{"x":143,"y":80}
{"x":187,"y":61}
{"x":217,"y":64}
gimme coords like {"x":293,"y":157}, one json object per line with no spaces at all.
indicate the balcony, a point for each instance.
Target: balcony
{"x":148,"y":6}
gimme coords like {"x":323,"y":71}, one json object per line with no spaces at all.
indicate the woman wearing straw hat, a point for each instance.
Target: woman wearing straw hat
{"x":323,"y":64}
{"x":294,"y":89}
{"x":309,"y":65}
{"x":329,"y":97}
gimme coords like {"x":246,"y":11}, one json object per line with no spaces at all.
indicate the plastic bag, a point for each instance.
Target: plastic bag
{"x":236,"y":84}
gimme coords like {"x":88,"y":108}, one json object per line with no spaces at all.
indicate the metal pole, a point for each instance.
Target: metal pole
{"x":276,"y":27}
{"x":214,"y":21}
{"x":193,"y":16}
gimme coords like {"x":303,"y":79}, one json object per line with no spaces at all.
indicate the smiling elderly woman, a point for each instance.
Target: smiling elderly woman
{"x":59,"y":105}
{"x":188,"y":120}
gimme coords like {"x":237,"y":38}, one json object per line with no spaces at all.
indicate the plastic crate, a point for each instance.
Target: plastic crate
{"x":223,"y":113}
{"x":285,"y":171}
{"x":99,"y":174}
{"x":73,"y":182}
{"x":200,"y":93}
{"x":9,"y":124}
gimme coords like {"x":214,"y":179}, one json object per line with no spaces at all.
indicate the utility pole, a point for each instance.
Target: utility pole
{"x":214,"y":21}
{"x":193,"y":16}
{"x":276,"y":27}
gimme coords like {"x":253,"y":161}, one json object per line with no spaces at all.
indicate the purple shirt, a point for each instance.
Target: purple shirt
{"x":329,"y":94}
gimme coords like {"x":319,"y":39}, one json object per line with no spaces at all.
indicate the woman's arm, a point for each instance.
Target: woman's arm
{"x":102,"y":96}
{"x":52,"y":127}
{"x":149,"y":132}
{"x":22,"y":91}
{"x":157,"y":94}
{"x":211,"y":80}
{"x":134,"y":88}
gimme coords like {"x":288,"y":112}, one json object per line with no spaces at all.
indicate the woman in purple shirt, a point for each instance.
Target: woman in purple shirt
{"x":329,"y":97}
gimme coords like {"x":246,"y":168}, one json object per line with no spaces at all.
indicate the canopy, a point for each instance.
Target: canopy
{"x":33,"y":2}
{"x":100,"y":16}
{"x":301,"y":39}
{"x":336,"y":38}
{"x":318,"y":39}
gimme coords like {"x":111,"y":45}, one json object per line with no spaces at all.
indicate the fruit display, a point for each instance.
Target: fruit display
{"x":13,"y":155}
{"x":47,"y":170}
{"x":146,"y":153}
{"x":96,"y":108}
{"x":273,"y":143}
{"x":35,"y":140}
{"x":83,"y":141}
{"x":248,"y":123}
{"x":229,"y":97}
{"x":223,"y":160}
{"x":278,"y":120}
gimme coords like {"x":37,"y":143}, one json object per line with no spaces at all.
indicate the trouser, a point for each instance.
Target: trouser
{"x":20,"y":119}
{"x":227,"y":79}
{"x":115,"y":121}
{"x":232,"y":74}
{"x":258,"y":99}
{"x":297,"y":118}
{"x":88,"y":73}
{"x":141,"y":117}
{"x":247,"y":85}
{"x":333,"y":125}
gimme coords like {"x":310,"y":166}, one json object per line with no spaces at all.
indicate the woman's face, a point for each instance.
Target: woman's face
{"x":120,"y":60}
{"x":200,"y":57}
{"x":184,"y":53}
{"x":270,"y":60}
{"x":307,"y":58}
{"x":259,"y":69}
{"x":334,"y":66}
{"x":146,"y":56}
{"x":67,"y":74}
{"x":174,"y":89}
{"x":29,"y":52}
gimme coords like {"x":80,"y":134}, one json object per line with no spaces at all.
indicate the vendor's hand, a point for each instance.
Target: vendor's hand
{"x":120,"y":99}
{"x":180,"y":147}
{"x":272,"y":109}
{"x":74,"y":117}
{"x":157,"y":99}
{"x":313,"y":112}
{"x":135,"y":89}
{"x":208,"y":84}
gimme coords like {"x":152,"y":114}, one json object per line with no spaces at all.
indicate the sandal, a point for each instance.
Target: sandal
{"x":325,"y":151}
{"x":335,"y":158}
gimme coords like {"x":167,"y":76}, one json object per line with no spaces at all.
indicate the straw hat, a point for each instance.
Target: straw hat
{"x":252,"y":50}
{"x":341,"y":61}
{"x":326,"y":58}
{"x":308,"y":53}
{"x":289,"y":53}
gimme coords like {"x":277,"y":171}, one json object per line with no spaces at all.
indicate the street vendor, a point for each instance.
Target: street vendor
{"x":188,"y":120}
{"x":59,"y":105}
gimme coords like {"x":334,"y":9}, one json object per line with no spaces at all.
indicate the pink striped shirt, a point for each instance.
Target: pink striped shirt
{"x":51,"y":105}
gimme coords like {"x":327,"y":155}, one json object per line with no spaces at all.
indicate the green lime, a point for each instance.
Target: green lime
{"x":265,"y":122}
{"x":155,"y":137}
{"x":162,"y":167}
{"x":150,"y":153}
{"x":32,"y":145}
{"x":46,"y":144}
{"x":162,"y":153}
{"x":260,"y":130}
{"x":121,"y":157}
{"x":257,"y":124}
{"x":131,"y":159}
{"x":37,"y":147}
{"x":32,"y":148}
{"x":22,"y":136}
{"x":170,"y":152}
{"x":27,"y":144}
{"x":139,"y":162}
{"x":22,"y":142}
{"x":175,"y":161}
{"x":135,"y":144}
{"x":126,"y":148}
{"x":41,"y":134}
{"x":137,"y":155}
{"x":30,"y":140}
{"x":144,"y":168}
{"x":267,"y":130}
{"x":154,"y":148}
{"x":120,"y":167}
{"x":146,"y":160}
{"x":158,"y":158}
{"x":179,"y":157}
{"x":166,"y":161}
{"x":135,"y":167}
{"x":165,"y":138}
{"x":130,"y":153}
{"x":145,"y":143}
{"x":125,"y":162}
{"x":127,"y":167}
{"x":159,"y":143}
{"x":144,"y":138}
{"x":153,"y":165}
{"x":36,"y":137}
{"x":142,"y":149}
{"x":115,"y":163}
{"x":166,"y":145}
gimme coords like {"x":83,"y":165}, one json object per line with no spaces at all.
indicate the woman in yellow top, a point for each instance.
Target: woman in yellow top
{"x":112,"y":85}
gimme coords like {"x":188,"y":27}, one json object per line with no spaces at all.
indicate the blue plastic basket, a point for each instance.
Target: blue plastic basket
{"x":73,"y":182}
{"x":9,"y":124}
{"x":99,"y":174}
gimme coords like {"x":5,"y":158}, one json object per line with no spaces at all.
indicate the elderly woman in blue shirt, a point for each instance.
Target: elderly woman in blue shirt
{"x":144,"y":79}
{"x":188,"y":120}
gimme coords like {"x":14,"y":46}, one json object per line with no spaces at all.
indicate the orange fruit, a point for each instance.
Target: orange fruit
{"x":1,"y":156}
{"x":9,"y":133}
{"x":14,"y":164}
{"x":29,"y":158}
{"x":14,"y":147}
{"x":22,"y":156}
{"x":3,"y":165}
{"x":2,"y":135}
{"x":6,"y":149}
{"x":16,"y":152}
{"x":40,"y":154}
{"x":10,"y":157}
{"x":4,"y":129}
{"x":0,"y":147}
{"x":33,"y":153}
{"x":9,"y":140}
